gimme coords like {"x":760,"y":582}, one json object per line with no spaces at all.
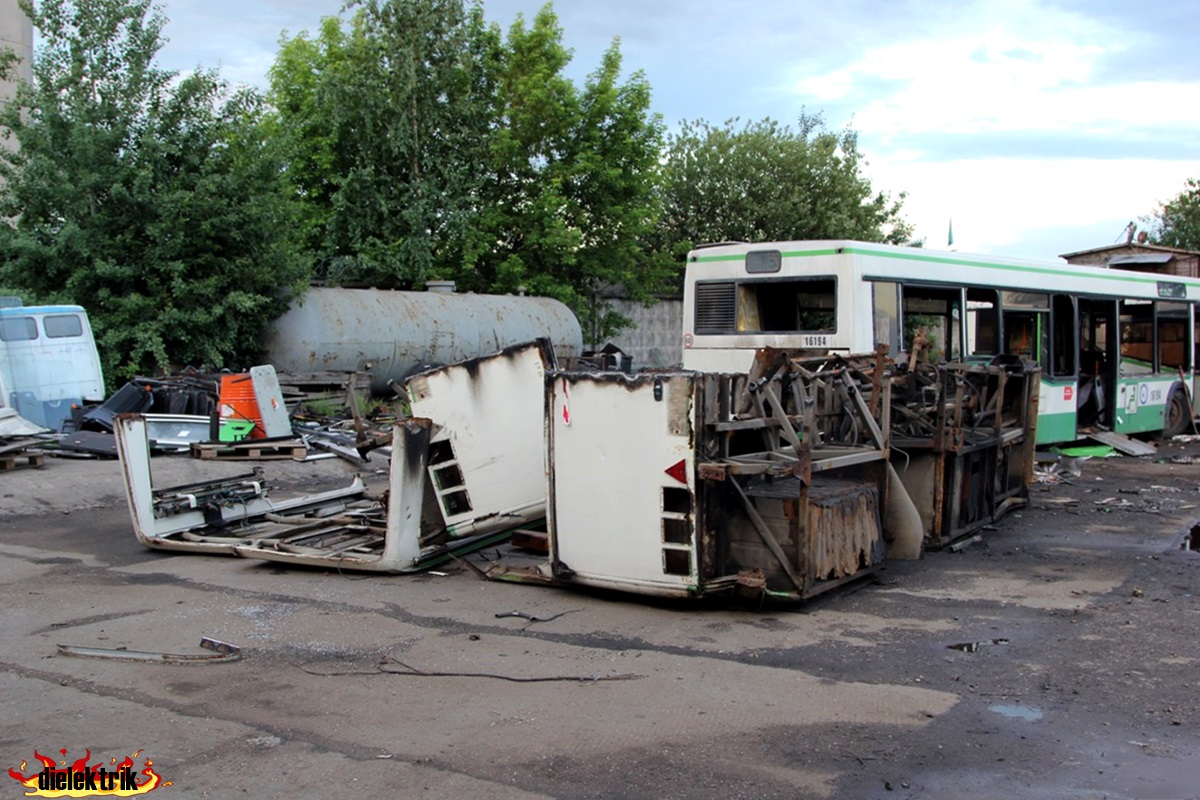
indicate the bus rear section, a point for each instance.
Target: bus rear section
{"x":738,"y":299}
{"x":48,"y":362}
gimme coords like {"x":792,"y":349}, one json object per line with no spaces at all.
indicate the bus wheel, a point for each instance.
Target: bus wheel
{"x":1178,"y":416}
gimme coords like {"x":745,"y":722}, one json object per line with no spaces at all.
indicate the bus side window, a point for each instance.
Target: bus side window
{"x":1137,"y":337}
{"x":932,"y":315}
{"x":1025,"y":318}
{"x":1021,"y":334}
{"x":1173,"y":346}
{"x":886,"y":313}
{"x":982,"y":324}
{"x":1063,"y":349}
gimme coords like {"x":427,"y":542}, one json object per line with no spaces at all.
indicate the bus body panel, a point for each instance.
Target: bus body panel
{"x":1056,"y":411}
{"x":1141,"y":402}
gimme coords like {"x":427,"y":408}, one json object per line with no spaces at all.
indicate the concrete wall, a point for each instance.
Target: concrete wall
{"x":657,"y":339}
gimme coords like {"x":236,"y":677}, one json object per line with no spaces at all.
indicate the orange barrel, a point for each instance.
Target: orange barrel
{"x":238,"y":402}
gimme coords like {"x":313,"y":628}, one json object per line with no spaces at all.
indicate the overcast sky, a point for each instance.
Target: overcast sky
{"x":1039,"y":127}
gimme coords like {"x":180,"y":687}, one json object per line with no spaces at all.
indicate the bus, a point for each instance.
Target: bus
{"x":48,"y":362}
{"x":1116,"y":347}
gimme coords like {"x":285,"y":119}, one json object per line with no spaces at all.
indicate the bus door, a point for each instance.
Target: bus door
{"x":1097,"y":363}
{"x":1140,"y":390}
{"x":1025,"y":328}
{"x":1195,"y":361}
{"x":1173,"y":348}
{"x":1156,"y":354}
{"x":1060,"y":373}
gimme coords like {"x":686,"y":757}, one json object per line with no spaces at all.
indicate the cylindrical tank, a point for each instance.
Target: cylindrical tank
{"x":389,"y":333}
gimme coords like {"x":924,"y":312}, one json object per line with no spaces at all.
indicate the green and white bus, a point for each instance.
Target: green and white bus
{"x":1116,"y":347}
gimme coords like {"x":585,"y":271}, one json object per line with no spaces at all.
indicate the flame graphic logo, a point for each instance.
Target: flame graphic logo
{"x":80,"y":779}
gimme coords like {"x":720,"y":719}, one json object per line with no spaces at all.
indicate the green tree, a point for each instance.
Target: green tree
{"x":386,"y":126}
{"x":570,"y":198}
{"x":426,"y":144}
{"x":1177,"y":223}
{"x":157,"y":205}
{"x":765,"y":181}
{"x":302,"y":122}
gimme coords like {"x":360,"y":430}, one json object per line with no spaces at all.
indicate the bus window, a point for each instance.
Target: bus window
{"x":1035,"y":300}
{"x":1063,"y":348}
{"x":1173,"y":345}
{"x":18,"y":329}
{"x":886,"y":310}
{"x":760,"y":261}
{"x":982,"y":324}
{"x":934,"y":314}
{"x":1136,"y":323}
{"x":1026,"y":335}
{"x":61,"y":326}
{"x":807,"y":306}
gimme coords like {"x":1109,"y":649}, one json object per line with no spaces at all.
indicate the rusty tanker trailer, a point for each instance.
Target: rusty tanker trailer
{"x":392,"y":334}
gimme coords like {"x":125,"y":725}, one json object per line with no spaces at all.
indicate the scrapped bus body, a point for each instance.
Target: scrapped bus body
{"x":48,"y":362}
{"x":465,"y":471}
{"x":777,"y":482}
{"x":1116,"y":347}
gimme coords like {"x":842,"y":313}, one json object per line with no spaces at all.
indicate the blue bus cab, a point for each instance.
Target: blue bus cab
{"x":48,"y":362}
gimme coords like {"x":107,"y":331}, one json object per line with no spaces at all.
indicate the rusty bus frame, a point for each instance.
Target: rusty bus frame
{"x":965,"y":436}
{"x":772,"y":482}
{"x":785,"y":482}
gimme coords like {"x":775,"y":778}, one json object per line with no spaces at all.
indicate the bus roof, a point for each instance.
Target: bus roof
{"x":24,"y":311}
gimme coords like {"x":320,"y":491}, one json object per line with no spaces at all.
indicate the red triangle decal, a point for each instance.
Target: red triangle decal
{"x":678,"y":471}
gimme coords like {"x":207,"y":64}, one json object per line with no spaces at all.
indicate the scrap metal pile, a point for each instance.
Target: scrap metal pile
{"x":786,"y":482}
{"x":964,"y":435}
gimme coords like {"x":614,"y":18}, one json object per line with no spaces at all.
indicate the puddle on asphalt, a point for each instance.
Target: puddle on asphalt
{"x":971,"y":647}
{"x":1017,"y":712}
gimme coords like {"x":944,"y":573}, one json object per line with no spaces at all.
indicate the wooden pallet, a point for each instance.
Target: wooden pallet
{"x":249,"y":451}
{"x":22,"y":458}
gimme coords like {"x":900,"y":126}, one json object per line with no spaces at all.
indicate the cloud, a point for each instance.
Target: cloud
{"x":1035,"y":124}
{"x":998,"y":205}
{"x":239,"y":38}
